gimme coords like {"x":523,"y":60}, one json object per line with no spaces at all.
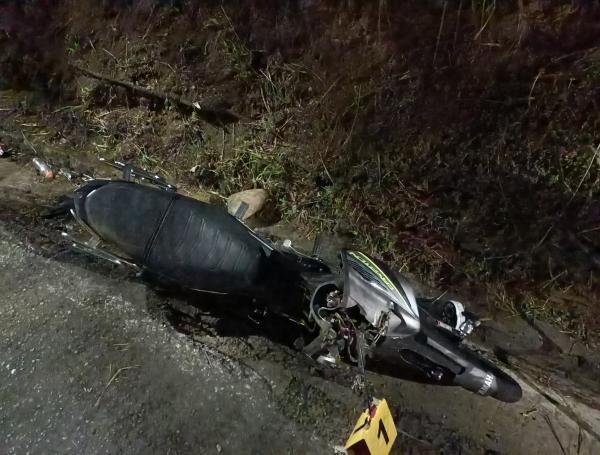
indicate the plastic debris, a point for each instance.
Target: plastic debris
{"x":43,"y":168}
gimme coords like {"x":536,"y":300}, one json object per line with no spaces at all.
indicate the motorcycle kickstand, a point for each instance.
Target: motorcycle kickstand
{"x":361,"y":384}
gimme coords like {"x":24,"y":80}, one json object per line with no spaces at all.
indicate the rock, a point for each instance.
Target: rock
{"x":510,"y":334}
{"x":563,"y":341}
{"x":254,"y":198}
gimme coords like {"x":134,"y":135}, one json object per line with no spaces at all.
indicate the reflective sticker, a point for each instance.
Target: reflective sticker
{"x":364,"y":259}
{"x":374,"y":429}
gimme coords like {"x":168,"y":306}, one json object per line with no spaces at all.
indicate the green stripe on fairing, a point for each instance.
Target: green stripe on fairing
{"x":373,"y":267}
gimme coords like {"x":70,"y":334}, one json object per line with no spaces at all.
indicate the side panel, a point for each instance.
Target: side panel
{"x":367,"y":286}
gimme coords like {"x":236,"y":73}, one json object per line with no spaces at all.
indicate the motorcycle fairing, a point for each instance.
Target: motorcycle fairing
{"x":380,"y":295}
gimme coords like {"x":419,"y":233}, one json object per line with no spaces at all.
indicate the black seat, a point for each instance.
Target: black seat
{"x":197,"y":245}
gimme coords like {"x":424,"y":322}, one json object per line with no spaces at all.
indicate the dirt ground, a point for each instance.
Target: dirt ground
{"x":456,"y":140}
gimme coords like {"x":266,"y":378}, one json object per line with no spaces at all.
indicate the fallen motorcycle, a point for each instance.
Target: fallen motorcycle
{"x":358,"y":311}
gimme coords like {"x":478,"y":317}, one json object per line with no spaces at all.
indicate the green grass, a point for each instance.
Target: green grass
{"x":72,"y":44}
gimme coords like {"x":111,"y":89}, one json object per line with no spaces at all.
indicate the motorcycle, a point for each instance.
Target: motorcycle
{"x":357,"y":311}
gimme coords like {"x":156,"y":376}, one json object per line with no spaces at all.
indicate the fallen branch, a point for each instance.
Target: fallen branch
{"x":555,"y":434}
{"x":215,"y":116}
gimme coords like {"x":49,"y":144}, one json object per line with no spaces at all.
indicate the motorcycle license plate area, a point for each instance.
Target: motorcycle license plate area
{"x":374,"y":432}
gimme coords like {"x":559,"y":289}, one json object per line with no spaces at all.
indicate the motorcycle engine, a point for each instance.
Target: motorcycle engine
{"x":343,"y":333}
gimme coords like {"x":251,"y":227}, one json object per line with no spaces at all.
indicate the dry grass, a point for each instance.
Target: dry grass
{"x":441,"y":140}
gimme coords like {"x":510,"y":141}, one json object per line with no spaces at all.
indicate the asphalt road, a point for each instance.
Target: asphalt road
{"x":85,"y":369}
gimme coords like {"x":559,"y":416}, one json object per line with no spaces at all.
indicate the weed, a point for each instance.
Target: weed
{"x":230,"y":46}
{"x":24,"y":105}
{"x":146,"y":160}
{"x":73,"y":44}
{"x":500,"y":299}
{"x":594,"y":72}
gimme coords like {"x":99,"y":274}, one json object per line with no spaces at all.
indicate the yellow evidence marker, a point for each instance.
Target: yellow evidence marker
{"x":375,"y":431}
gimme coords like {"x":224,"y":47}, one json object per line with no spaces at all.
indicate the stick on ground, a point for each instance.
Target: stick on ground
{"x":215,"y":116}
{"x":114,"y":376}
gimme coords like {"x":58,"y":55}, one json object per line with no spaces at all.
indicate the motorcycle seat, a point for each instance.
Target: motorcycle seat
{"x":194,"y":244}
